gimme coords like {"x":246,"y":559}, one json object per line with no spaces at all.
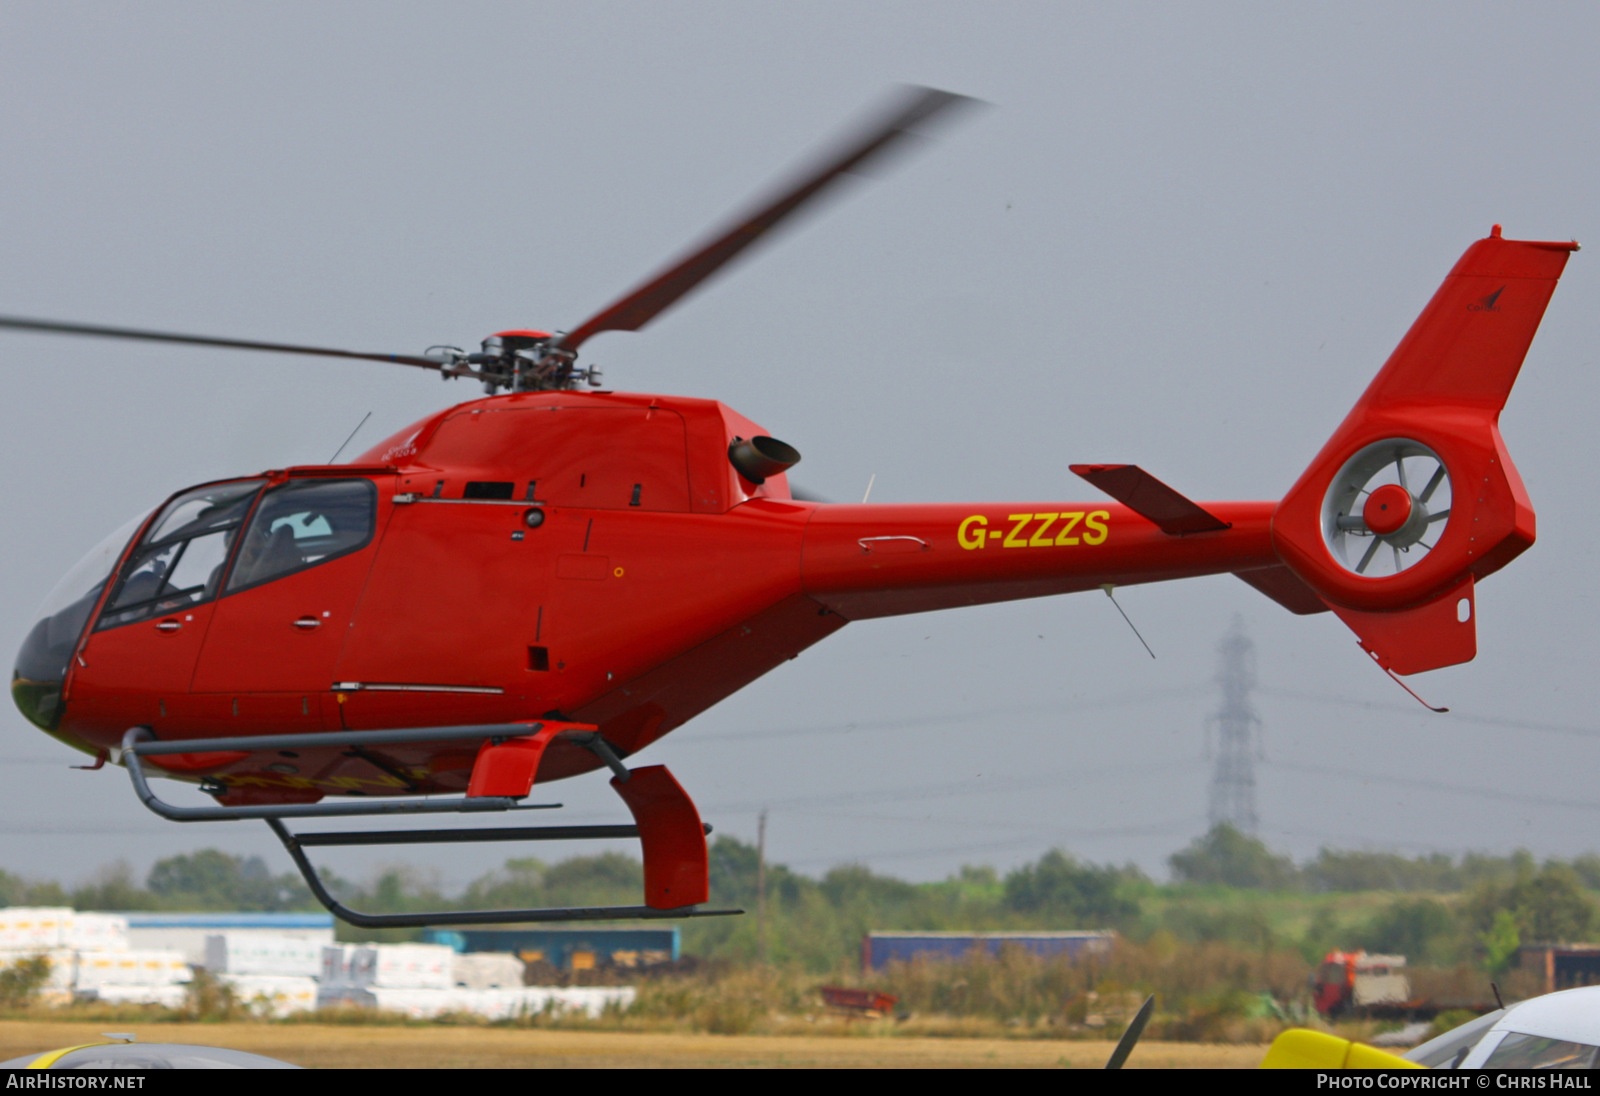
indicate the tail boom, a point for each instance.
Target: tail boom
{"x":871,"y":561}
{"x":1437,"y":400}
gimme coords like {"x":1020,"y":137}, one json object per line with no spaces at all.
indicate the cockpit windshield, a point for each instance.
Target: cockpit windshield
{"x":88,"y":576}
{"x":41,"y":666}
{"x":180,"y":561}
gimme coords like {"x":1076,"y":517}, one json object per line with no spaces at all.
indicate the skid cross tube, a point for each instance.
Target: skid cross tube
{"x":496,"y":833}
{"x":597,"y":745}
{"x":138,"y":743}
{"x":144,"y":744}
{"x":464,"y":917}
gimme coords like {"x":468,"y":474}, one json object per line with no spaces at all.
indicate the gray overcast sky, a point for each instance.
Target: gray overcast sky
{"x":1187,"y":237}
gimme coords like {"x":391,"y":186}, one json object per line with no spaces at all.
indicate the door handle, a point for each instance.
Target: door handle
{"x":308,"y":624}
{"x":167,"y":627}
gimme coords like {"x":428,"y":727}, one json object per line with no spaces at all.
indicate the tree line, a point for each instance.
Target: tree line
{"x":1227,"y":887}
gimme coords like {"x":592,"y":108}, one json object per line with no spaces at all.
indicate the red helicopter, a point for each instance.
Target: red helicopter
{"x":544,"y":581}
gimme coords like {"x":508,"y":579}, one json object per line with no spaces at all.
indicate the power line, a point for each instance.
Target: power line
{"x":1411,"y":712}
{"x":1365,"y":841}
{"x":931,"y":791}
{"x":941,"y":719}
{"x":1370,"y":777}
{"x":1185,"y":824}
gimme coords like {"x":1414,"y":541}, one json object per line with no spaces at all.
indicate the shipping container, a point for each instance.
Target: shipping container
{"x":881,"y":948}
{"x":569,"y":949}
{"x":187,"y":932}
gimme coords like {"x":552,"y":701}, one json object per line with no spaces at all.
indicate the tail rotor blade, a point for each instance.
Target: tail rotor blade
{"x":1361,"y":568}
{"x":1433,"y":484}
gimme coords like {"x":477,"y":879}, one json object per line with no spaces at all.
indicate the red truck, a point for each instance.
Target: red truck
{"x":1353,"y":983}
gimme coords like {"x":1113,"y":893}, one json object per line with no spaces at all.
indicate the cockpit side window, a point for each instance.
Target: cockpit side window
{"x":180,"y":560}
{"x":302,"y":524}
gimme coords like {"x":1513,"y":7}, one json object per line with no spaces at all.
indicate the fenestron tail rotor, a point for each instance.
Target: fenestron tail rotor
{"x":1386,"y":508}
{"x":536,"y":360}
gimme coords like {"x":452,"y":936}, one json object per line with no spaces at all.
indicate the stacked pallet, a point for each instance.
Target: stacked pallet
{"x":368,"y":975}
{"x":89,"y":957}
{"x":273,"y":975}
{"x":487,"y":970}
{"x":493,"y":1004}
{"x":423,"y":981}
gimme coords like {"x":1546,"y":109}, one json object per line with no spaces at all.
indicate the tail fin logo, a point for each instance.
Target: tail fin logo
{"x":1488,"y":303}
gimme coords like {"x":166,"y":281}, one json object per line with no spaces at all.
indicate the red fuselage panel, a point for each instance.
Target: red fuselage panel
{"x":649,"y":582}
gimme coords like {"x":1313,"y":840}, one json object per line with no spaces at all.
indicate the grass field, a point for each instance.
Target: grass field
{"x":344,"y":1046}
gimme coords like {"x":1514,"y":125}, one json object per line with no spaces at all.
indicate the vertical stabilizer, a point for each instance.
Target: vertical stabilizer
{"x":1414,"y":497}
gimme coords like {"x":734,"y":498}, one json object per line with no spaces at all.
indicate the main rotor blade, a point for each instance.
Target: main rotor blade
{"x":916,"y":105}
{"x":18,"y":323}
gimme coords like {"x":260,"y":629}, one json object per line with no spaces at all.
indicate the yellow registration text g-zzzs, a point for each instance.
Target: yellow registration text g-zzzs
{"x":1059,"y":530}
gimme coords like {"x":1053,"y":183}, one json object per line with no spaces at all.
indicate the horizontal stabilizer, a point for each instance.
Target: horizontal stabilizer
{"x":1148,"y":497}
{"x":1286,"y":588}
{"x":1440,"y":633}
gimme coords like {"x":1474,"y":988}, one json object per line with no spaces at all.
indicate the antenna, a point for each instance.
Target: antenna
{"x":351,"y":438}
{"x":1109,"y":588}
{"x":1238,"y":741}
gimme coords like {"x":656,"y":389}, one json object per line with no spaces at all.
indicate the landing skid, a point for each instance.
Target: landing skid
{"x":676,"y":865}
